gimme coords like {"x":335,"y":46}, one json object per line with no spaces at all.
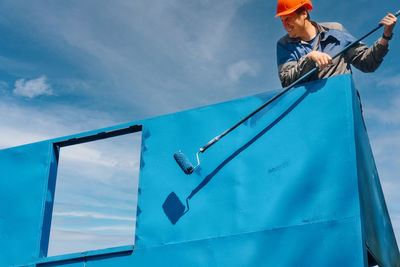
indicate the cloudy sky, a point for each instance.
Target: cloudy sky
{"x":72,"y":66}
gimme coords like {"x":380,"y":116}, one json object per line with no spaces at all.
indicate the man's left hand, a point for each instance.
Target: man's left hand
{"x":389,"y":21}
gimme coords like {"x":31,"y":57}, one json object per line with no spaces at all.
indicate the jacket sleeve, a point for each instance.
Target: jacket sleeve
{"x":290,"y":68}
{"x":367,"y":59}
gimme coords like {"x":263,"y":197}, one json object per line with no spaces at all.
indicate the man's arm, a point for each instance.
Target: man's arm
{"x":289,"y":72}
{"x":369,"y":59}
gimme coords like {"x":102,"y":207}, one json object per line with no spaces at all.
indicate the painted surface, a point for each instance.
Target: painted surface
{"x":25,"y":176}
{"x":264,"y":248}
{"x":280,"y":190}
{"x":379,"y":235}
{"x":293,"y":164}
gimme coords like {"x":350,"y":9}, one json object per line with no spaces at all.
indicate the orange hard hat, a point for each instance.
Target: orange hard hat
{"x":285,"y":7}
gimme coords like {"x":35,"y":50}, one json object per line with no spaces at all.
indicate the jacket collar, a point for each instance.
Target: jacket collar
{"x":324,"y":31}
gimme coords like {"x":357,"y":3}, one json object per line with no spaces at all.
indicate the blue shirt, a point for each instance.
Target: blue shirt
{"x":333,"y":40}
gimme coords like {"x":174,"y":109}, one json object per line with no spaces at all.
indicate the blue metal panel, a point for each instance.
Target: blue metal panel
{"x":24,"y":186}
{"x":49,"y":200}
{"x":280,"y":190}
{"x":293,"y":164}
{"x":379,"y":235}
{"x":82,"y":256}
{"x":264,"y":248}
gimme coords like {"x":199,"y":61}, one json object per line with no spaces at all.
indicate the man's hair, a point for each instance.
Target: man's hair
{"x":301,"y":10}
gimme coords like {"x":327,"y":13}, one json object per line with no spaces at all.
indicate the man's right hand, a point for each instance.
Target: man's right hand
{"x":321,"y":59}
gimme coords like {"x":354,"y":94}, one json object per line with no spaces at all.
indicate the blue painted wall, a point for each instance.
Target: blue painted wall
{"x":26,"y":192}
{"x":379,"y":236}
{"x":290,"y":187}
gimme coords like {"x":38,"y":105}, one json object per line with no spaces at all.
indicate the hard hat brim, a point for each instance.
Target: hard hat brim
{"x":290,"y":11}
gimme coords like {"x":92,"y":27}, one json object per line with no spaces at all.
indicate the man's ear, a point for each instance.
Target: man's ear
{"x":304,"y":13}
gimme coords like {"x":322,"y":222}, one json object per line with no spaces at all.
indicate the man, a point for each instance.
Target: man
{"x":308,"y":44}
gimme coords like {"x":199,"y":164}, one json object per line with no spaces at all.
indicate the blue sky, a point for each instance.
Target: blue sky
{"x":72,"y":66}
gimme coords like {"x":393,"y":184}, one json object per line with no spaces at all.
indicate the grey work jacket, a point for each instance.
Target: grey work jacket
{"x":294,"y":63}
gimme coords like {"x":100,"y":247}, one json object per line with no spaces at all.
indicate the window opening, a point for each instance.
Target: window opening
{"x":96,"y":192}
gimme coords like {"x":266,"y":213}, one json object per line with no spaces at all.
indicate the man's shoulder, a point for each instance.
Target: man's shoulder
{"x":284,"y":40}
{"x":332,"y":26}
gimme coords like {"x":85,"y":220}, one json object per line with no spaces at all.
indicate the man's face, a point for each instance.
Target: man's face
{"x":294,"y":24}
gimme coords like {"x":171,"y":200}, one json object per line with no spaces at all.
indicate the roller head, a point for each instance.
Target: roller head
{"x":183,"y":162}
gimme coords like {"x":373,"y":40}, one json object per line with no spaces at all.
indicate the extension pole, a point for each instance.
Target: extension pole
{"x":305,"y":76}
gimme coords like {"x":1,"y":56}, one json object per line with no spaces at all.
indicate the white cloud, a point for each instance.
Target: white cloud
{"x":393,"y":81}
{"x":110,"y":156}
{"x":155,"y":49}
{"x":32,"y":88}
{"x":385,"y":144}
{"x":25,"y":124}
{"x":67,"y":241}
{"x":11,"y":136}
{"x":240,"y":68}
{"x":387,"y":114}
{"x":94,"y":215}
{"x":119,"y":228}
{"x":73,"y":235}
